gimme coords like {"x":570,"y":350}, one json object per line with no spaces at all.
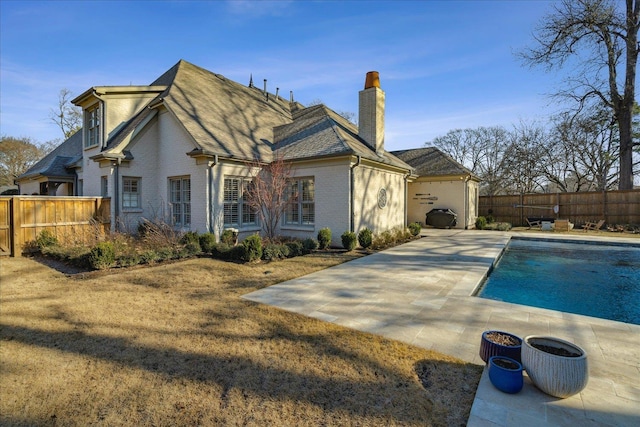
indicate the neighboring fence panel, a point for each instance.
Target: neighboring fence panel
{"x":615,"y":207}
{"x":70,"y":219}
{"x":5,"y":226}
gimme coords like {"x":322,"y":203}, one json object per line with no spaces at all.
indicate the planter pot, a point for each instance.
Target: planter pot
{"x":492,"y":347}
{"x":557,"y":367}
{"x":505,"y":374}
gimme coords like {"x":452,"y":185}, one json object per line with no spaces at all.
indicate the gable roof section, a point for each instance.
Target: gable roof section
{"x":56,"y":164}
{"x":223,"y":117}
{"x":430,"y":161}
{"x":319,"y":131}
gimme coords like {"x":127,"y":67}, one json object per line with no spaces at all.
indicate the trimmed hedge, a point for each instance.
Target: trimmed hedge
{"x":365,"y":238}
{"x":324,"y":238}
{"x":349,"y":239}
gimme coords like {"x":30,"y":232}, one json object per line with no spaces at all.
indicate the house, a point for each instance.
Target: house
{"x":442,"y":183}
{"x":55,"y":174}
{"x":184,"y":149}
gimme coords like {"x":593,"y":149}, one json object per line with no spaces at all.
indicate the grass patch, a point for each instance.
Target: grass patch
{"x":174,"y":344}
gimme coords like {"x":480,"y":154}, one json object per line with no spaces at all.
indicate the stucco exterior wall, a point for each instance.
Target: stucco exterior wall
{"x":367,"y":211}
{"x":456,"y":195}
{"x":160,"y":154}
{"x":29,"y":188}
{"x":91,"y":173}
{"x":120,"y":108}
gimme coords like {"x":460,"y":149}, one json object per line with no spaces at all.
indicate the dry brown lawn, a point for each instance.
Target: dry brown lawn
{"x":175,"y":344}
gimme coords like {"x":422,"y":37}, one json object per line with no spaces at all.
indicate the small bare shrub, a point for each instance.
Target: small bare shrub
{"x":158,"y":233}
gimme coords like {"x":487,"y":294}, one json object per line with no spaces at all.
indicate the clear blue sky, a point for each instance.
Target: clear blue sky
{"x":442,"y":64}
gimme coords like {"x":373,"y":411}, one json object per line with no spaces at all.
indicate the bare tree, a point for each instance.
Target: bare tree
{"x":67,"y":116}
{"x":592,"y":149}
{"x":481,"y":150}
{"x":462,"y":146}
{"x":17,"y":155}
{"x":522,"y":161}
{"x":601,"y":42}
{"x":268,"y":194}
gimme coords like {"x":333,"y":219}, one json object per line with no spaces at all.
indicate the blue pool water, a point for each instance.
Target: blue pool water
{"x":596,"y":280}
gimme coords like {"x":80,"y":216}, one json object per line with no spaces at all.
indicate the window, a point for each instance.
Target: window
{"x":236,"y":211}
{"x":104,"y":186}
{"x":130,"y":193}
{"x":92,"y":126}
{"x":180,"y":199}
{"x":301,"y":208}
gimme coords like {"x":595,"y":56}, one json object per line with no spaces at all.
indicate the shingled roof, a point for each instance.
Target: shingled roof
{"x":231,"y":120}
{"x":223,"y":117}
{"x":319,"y":131}
{"x":56,"y":164}
{"x":430,"y":161}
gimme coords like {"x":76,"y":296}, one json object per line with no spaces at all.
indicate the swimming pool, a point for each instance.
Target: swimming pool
{"x":599,"y":280}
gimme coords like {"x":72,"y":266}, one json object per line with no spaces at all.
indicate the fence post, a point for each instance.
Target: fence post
{"x":521,"y":209}
{"x":16,"y":224}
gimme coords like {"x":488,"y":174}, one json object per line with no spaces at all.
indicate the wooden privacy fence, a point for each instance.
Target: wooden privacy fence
{"x":615,"y":207}
{"x":70,"y":219}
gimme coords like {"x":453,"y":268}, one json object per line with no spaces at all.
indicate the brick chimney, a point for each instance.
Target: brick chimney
{"x":371,"y":113}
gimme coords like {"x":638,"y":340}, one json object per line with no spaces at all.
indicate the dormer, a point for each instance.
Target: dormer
{"x":106,"y":108}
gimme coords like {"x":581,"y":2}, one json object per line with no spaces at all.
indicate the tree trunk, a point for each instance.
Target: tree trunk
{"x":626,"y":151}
{"x":624,"y":113}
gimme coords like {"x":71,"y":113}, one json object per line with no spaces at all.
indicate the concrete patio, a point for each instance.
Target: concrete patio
{"x":420,"y":293}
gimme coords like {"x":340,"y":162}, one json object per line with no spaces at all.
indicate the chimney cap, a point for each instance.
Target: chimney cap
{"x":372,"y":80}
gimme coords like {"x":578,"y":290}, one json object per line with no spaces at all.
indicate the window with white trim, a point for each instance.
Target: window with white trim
{"x":92,"y":126}
{"x":301,"y":207}
{"x":180,"y":199}
{"x":131,"y":193}
{"x":236,"y":211}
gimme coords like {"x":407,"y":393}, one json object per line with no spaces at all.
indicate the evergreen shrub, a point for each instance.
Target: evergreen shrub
{"x":349,"y":240}
{"x":481,"y":223}
{"x":415,"y":228}
{"x":324,"y":237}
{"x":102,"y":256}
{"x":295,"y":248}
{"x":365,"y":238}
{"x":253,"y":248}
{"x":310,"y":245}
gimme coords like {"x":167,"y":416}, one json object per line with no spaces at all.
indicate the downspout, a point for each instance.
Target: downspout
{"x":406,"y":200}
{"x":466,"y":202}
{"x":116,"y":194}
{"x":210,"y":204}
{"x":351,"y":195}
